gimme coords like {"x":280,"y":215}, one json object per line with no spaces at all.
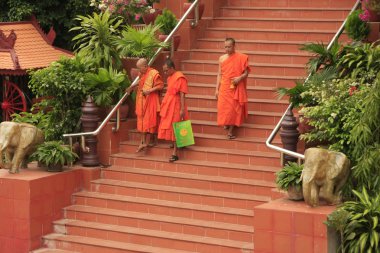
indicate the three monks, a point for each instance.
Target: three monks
{"x":231,"y":88}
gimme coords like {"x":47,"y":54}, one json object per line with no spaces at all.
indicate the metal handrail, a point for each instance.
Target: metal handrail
{"x":195,"y":5}
{"x":290,"y":107}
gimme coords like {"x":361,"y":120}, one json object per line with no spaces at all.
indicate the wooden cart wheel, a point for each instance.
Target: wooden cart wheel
{"x":13,"y":100}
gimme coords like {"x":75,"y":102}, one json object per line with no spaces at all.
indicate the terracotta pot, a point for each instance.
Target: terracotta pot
{"x":177,"y":40}
{"x":149,"y":18}
{"x":191,"y":15}
{"x":295,"y":193}
{"x":303,"y":124}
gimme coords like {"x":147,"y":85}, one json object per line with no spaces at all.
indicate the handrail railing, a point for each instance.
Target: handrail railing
{"x":290,"y":107}
{"x":195,"y":5}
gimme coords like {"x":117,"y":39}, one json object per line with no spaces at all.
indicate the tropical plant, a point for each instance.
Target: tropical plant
{"x":38,"y":119}
{"x":321,"y":56}
{"x":361,"y":60}
{"x":365,"y":142}
{"x":106,"y":86}
{"x":63,"y":83}
{"x":338,"y":220}
{"x":290,"y":175}
{"x":167,"y":21}
{"x":356,"y":28}
{"x":130,"y":10}
{"x":140,"y":43}
{"x":362,"y":231}
{"x":53,"y":153}
{"x":97,"y":39}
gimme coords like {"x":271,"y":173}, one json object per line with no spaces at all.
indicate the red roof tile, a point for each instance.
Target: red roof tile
{"x":32,"y":48}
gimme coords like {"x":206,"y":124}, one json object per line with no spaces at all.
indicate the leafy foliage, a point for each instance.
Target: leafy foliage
{"x":167,"y":21}
{"x":97,"y":39}
{"x":106,"y":86}
{"x":288,"y":176}
{"x":52,"y":153}
{"x":361,"y":233}
{"x":321,"y":56}
{"x":140,"y":43}
{"x":365,"y":140}
{"x":338,"y":221}
{"x":360,"y":60}
{"x":63,"y":83}
{"x":356,"y":28}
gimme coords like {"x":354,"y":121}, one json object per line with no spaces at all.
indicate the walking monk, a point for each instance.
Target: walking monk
{"x":147,"y":102}
{"x":173,"y":108}
{"x":231,"y":88}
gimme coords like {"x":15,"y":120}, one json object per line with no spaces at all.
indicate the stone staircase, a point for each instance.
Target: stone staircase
{"x":204,"y":202}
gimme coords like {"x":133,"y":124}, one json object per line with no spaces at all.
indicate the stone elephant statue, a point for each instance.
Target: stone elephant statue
{"x":17,"y":142}
{"x":324,"y":174}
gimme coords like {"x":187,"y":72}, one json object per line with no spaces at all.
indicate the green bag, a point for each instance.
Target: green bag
{"x":183,"y":133}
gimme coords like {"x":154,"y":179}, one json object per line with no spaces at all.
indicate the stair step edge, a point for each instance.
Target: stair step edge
{"x":159,"y":217}
{"x":153,"y":233}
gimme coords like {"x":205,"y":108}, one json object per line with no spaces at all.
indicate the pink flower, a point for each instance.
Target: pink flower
{"x":137,"y":17}
{"x":364,"y":16}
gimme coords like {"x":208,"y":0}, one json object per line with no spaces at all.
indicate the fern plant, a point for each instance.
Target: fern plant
{"x":321,"y":56}
{"x":140,"y":43}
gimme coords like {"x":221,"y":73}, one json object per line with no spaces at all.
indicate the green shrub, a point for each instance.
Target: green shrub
{"x":356,"y":28}
{"x":167,"y":21}
{"x":290,"y":175}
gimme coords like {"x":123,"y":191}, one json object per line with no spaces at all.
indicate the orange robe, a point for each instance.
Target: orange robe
{"x":171,"y":106}
{"x":148,"y":107}
{"x":233,"y":102}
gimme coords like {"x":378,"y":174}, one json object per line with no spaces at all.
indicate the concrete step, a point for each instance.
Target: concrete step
{"x":88,"y":245}
{"x":259,"y":68}
{"x":320,"y":23}
{"x":264,"y":167}
{"x":214,"y":140}
{"x":172,"y":208}
{"x":257,"y":104}
{"x":284,"y":12}
{"x":254,"y":117}
{"x":160,"y":222}
{"x":293,"y":3}
{"x":257,"y":50}
{"x":272,"y":34}
{"x":254,"y":79}
{"x":170,"y":240}
{"x":46,"y":250}
{"x":191,"y":192}
{"x":254,"y":92}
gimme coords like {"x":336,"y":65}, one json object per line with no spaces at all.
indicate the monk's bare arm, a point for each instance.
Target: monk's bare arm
{"x":240,"y":78}
{"x":182,"y":110}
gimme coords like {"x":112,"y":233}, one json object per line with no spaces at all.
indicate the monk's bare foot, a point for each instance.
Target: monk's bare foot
{"x":231,"y":136}
{"x":141,"y":148}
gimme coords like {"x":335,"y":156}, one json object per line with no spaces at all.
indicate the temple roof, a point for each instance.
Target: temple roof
{"x":24,"y":46}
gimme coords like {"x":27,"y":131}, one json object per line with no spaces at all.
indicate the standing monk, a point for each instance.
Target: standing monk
{"x":231,"y":88}
{"x":173,"y":108}
{"x":147,"y":102}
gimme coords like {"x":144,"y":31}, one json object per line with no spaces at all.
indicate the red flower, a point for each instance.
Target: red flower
{"x":352,"y":90}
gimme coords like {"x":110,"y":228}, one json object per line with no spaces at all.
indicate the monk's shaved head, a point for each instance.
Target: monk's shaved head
{"x":142,"y":62}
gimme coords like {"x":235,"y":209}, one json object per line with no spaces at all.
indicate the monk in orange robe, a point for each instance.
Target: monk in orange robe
{"x":231,"y":88}
{"x":147,"y":102}
{"x":173,"y":108}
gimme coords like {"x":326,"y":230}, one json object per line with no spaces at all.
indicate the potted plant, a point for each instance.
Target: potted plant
{"x":107,"y":87}
{"x":150,"y":15}
{"x":191,"y":15}
{"x":53,"y":155}
{"x":289,"y":179}
{"x":167,"y":21}
{"x":356,"y":28}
